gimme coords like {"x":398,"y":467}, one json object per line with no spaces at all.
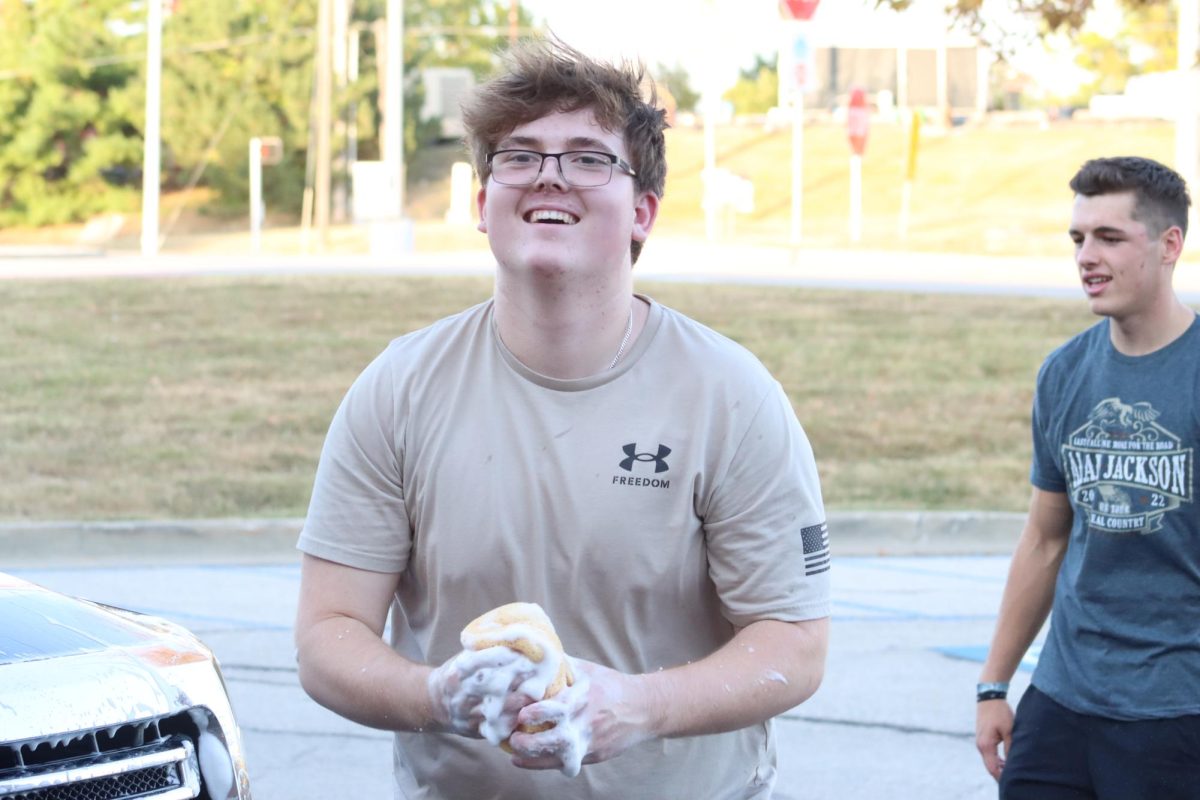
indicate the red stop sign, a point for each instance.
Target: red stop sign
{"x":858,"y":120}
{"x":798,"y":9}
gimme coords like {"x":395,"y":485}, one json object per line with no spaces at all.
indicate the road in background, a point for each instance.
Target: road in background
{"x":665,"y":258}
{"x":894,"y":717}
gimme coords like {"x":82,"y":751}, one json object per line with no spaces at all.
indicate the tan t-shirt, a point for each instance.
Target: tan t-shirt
{"x":649,"y":509}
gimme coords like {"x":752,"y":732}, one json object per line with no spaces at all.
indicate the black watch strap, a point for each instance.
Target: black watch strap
{"x":991,"y":691}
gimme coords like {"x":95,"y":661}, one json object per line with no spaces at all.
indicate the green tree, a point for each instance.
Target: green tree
{"x":67,"y":140}
{"x":233,"y":70}
{"x":1055,"y":15}
{"x":437,"y":33}
{"x":72,"y":93}
{"x":248,"y":69}
{"x":757,"y":88}
{"x":1147,"y":42}
{"x":678,"y":83}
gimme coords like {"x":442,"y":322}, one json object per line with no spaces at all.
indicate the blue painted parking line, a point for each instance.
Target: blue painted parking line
{"x":979,"y":653}
{"x":285,"y":571}
{"x":908,"y":616}
{"x":901,"y":566}
{"x":264,"y":569}
{"x":189,"y":619}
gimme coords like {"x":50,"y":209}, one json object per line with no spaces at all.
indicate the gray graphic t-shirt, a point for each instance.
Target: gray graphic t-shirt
{"x":1119,"y":435}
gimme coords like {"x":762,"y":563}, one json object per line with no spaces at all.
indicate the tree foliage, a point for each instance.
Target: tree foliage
{"x":231,"y":71}
{"x":72,"y":93}
{"x":757,"y":88}
{"x":66,"y":137}
{"x":1147,"y":42}
{"x":1055,"y":15}
{"x":678,"y":83}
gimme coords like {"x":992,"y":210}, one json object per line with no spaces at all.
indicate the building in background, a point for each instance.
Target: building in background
{"x":914,"y":57}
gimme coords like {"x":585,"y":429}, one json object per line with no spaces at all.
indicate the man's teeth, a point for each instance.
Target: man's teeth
{"x":1093,"y":281}
{"x":553,"y":216}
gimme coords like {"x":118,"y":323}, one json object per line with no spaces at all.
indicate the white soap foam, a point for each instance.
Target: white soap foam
{"x":777,"y":677}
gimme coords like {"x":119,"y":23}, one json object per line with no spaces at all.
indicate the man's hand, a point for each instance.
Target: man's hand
{"x":600,"y":716}
{"x":993,"y":727}
{"x":478,"y":693}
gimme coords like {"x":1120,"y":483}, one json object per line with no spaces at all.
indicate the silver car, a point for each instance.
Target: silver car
{"x":98,"y":703}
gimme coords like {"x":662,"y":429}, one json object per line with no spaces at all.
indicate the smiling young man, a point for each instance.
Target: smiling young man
{"x":1112,"y":541}
{"x":576,"y":445}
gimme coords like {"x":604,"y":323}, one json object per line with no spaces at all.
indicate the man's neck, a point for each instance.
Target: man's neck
{"x":568,"y":333}
{"x":1145,"y":333}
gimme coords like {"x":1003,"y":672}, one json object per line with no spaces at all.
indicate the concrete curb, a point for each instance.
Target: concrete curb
{"x":50,"y":251}
{"x":69,"y":543}
{"x":924,"y":533}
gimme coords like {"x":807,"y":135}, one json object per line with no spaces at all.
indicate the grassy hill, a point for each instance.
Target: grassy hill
{"x":993,"y":188}
{"x":990,"y":189}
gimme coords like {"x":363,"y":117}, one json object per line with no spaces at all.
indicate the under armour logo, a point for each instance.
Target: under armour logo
{"x":660,"y":460}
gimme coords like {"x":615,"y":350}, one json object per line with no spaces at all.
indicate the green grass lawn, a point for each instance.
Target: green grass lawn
{"x":987,"y":189}
{"x":209,"y":397}
{"x":993,"y":189}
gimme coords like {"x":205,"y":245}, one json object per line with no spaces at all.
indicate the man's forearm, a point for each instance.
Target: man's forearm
{"x":1029,"y":590}
{"x":348,"y":669}
{"x":1028,"y":596}
{"x":767,"y":668}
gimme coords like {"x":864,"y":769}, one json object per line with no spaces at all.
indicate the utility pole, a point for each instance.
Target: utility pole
{"x":341,"y":68}
{"x":393,"y":118}
{"x":152,"y":136}
{"x":1187,"y":149}
{"x":514,"y":16}
{"x":321,"y":190}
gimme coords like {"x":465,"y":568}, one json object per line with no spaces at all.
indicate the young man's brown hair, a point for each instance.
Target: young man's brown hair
{"x":542,"y":77}
{"x":1161,"y":194}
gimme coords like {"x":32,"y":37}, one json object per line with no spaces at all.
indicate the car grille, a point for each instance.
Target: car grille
{"x":149,"y":759}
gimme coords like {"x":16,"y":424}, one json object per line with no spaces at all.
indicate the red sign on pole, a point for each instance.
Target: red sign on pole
{"x":858,"y":120}
{"x":798,"y":9}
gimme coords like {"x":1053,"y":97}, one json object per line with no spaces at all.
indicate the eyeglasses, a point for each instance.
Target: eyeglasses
{"x":587,"y":168}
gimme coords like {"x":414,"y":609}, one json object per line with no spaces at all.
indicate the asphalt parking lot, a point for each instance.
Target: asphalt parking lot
{"x":893,"y":719}
{"x":915,"y":594}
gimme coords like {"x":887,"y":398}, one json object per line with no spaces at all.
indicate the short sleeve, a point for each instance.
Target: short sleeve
{"x":1045,"y":472}
{"x":357,"y":514}
{"x":765,"y":528}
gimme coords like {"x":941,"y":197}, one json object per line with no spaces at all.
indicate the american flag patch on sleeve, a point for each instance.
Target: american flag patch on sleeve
{"x":816,"y":549}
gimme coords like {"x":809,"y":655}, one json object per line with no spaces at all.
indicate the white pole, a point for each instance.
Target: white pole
{"x":1186,"y":156}
{"x":983,"y":68}
{"x":711,"y":199}
{"x":797,"y":166}
{"x":710,"y":101}
{"x":152,"y":147}
{"x":855,"y":197}
{"x":323,"y":169}
{"x":799,"y":80}
{"x":340,"y":46}
{"x":393,"y":150}
{"x":943,"y":81}
{"x":257,"y":211}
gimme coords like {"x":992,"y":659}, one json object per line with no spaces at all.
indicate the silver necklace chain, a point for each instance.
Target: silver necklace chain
{"x":624,"y":340}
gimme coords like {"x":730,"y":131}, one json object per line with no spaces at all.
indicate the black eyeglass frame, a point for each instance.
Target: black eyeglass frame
{"x":613,"y":160}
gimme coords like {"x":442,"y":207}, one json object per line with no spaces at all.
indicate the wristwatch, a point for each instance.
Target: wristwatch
{"x":991,"y":691}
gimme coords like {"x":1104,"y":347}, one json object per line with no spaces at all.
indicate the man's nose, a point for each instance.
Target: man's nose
{"x":1085,"y":251}
{"x":554,"y":176}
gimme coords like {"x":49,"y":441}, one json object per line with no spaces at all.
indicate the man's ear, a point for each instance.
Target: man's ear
{"x":645,"y":212}
{"x":480,"y":205}
{"x":1172,"y":244}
